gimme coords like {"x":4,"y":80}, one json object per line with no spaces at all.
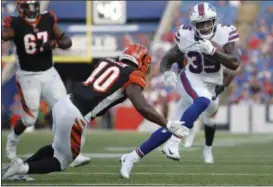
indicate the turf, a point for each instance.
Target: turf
{"x":239,"y":160}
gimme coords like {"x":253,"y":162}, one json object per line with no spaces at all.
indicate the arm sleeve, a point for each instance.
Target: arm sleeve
{"x":136,"y":77}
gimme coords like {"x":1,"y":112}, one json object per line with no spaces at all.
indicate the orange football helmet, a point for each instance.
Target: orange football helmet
{"x":139,"y":55}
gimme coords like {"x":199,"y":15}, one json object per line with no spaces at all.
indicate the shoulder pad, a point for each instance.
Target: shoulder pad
{"x":52,"y":15}
{"x":233,"y":35}
{"x":136,"y":77}
{"x":184,"y":38}
{"x":230,"y":32}
{"x":183,"y":30}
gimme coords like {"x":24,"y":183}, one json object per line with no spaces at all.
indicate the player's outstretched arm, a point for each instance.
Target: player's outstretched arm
{"x":134,"y":93}
{"x":173,"y":55}
{"x":63,"y":41}
{"x":230,"y":59}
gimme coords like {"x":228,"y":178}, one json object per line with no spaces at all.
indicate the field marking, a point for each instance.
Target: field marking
{"x":121,"y":148}
{"x":192,"y":157}
{"x":182,"y":166}
{"x":117,"y":184}
{"x":212,"y":166}
{"x":166,"y":173}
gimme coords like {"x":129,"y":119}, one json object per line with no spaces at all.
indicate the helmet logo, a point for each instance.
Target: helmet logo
{"x":211,"y":8}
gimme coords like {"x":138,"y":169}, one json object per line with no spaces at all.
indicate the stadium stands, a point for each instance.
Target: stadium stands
{"x":254,"y":84}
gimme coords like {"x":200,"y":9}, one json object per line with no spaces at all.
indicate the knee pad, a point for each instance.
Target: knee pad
{"x":202,"y":103}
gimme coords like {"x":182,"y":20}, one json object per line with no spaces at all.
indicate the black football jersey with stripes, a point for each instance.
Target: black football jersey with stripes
{"x":29,"y":38}
{"x":105,"y":86}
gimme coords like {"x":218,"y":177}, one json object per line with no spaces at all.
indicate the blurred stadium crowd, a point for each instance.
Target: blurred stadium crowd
{"x":253,"y":84}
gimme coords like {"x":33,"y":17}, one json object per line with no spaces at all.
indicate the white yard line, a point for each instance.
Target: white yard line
{"x":166,"y":173}
{"x":116,"y":185}
{"x":181,"y":165}
{"x":220,"y":156}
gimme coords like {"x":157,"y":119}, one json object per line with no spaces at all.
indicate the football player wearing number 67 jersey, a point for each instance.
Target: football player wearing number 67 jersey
{"x":110,"y":83}
{"x":199,"y":79}
{"x":35,"y":35}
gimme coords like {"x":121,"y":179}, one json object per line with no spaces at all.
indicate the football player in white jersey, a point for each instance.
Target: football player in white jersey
{"x":200,"y":81}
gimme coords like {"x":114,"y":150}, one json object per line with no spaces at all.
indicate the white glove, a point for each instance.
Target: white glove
{"x":206,"y":47}
{"x":170,"y":79}
{"x":177,"y":128}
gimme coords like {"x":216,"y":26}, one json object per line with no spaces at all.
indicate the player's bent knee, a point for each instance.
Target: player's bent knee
{"x":28,"y":120}
{"x":209,"y":121}
{"x":202,"y":103}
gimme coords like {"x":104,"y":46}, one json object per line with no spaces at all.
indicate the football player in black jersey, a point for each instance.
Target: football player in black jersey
{"x":110,"y":83}
{"x":35,"y":35}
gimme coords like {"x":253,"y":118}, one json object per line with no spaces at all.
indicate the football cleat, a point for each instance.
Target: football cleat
{"x":16,"y":167}
{"x":171,"y":150}
{"x":11,"y":147}
{"x":207,"y":154}
{"x":127,"y":164}
{"x":20,"y":178}
{"x":80,"y":161}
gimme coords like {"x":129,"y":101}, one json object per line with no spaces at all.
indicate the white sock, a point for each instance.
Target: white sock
{"x":24,"y":169}
{"x":175,"y":139}
{"x":134,"y":155}
{"x":208,"y":148}
{"x":14,"y":136}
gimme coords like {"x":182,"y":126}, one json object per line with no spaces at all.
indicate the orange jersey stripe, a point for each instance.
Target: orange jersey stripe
{"x":22,"y":99}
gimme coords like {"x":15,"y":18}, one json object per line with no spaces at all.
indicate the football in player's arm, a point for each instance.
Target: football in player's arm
{"x":229,"y":59}
{"x":229,"y":48}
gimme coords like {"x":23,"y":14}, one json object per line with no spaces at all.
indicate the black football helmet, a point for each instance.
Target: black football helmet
{"x":29,"y":10}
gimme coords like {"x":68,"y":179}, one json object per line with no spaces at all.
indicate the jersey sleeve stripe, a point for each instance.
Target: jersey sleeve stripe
{"x":233,"y":32}
{"x":177,"y":39}
{"x":233,"y":37}
{"x":178,"y":34}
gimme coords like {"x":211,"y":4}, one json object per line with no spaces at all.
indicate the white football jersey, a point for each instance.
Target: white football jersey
{"x":207,"y":71}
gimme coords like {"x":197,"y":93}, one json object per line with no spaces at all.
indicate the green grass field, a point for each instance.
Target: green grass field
{"x":239,"y":160}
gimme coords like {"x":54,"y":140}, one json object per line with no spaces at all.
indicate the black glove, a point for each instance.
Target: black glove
{"x":218,"y":90}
